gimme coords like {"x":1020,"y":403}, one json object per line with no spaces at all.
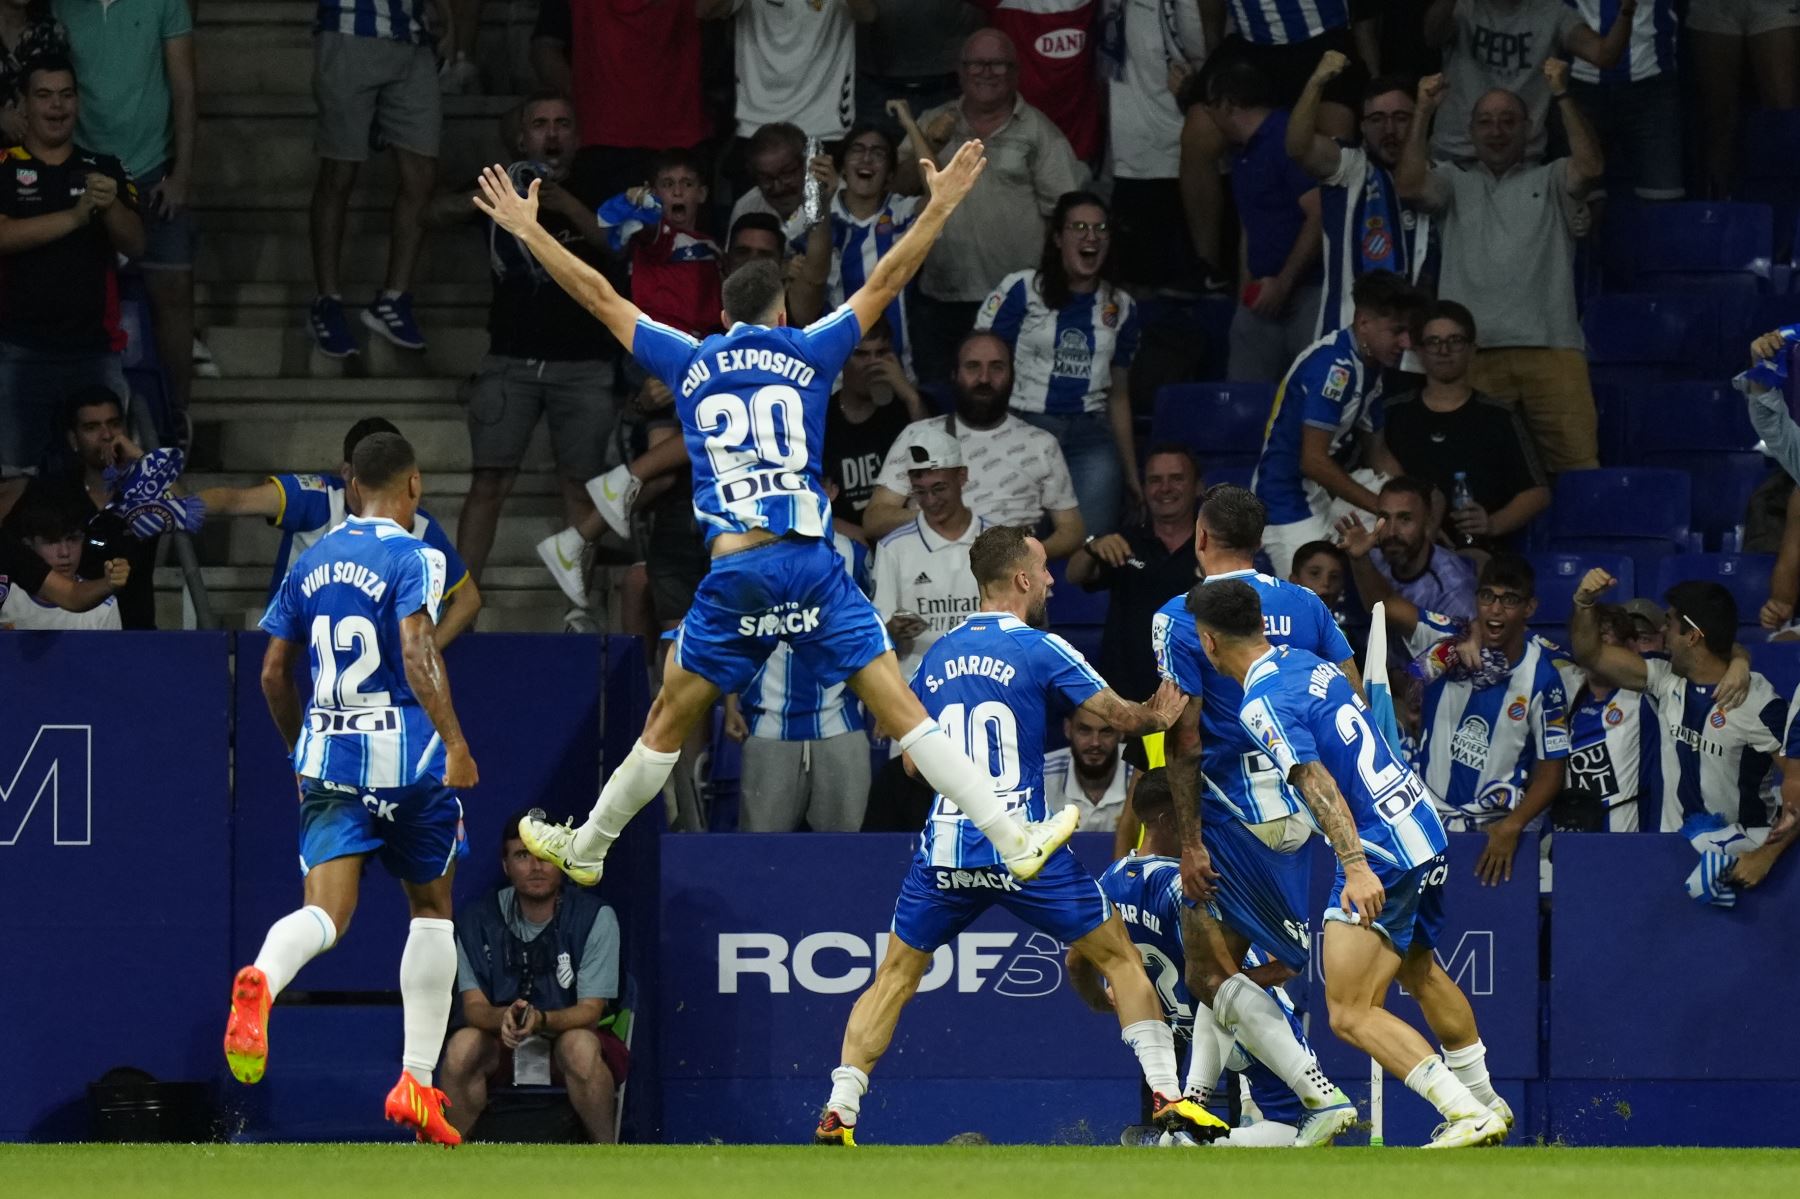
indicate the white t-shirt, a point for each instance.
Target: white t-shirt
{"x":1017,"y":472}
{"x":920,"y":571}
{"x":1145,"y":123}
{"x":1062,"y":788}
{"x":21,"y":611}
{"x":793,"y":228}
{"x":796,"y":62}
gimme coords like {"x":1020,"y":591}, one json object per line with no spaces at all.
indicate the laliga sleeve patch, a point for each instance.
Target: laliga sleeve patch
{"x":1337,"y":382}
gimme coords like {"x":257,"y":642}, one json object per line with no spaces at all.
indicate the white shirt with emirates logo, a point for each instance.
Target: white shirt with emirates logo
{"x":919,"y":570}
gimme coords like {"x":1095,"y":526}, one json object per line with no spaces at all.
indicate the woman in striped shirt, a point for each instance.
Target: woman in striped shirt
{"x":1073,"y":334}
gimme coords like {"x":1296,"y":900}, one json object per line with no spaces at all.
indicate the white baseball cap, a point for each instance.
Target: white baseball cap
{"x":933,"y":448}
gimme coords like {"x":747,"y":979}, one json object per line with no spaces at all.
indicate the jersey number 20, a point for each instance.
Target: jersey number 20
{"x":768,"y":433}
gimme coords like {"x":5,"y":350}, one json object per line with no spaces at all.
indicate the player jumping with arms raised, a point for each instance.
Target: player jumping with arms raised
{"x":379,"y":755}
{"x":992,"y":682}
{"x":752,"y":404}
{"x":1387,"y":905}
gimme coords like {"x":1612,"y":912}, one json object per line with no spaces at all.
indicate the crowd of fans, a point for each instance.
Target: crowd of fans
{"x":1390,"y":195}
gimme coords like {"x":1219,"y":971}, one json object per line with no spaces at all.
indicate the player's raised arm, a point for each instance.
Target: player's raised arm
{"x":1613,"y":664}
{"x":517,"y":214}
{"x":430,"y":683}
{"x":280,"y":691}
{"x":1363,"y":893}
{"x":1135,"y":720}
{"x":897,"y":267}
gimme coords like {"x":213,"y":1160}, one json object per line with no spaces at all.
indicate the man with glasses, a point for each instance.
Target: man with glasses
{"x":776,"y":158}
{"x":1715,"y":759}
{"x":1366,"y":226}
{"x":1509,"y":231}
{"x":923,"y":584}
{"x":999,"y":229}
{"x":1448,"y":427}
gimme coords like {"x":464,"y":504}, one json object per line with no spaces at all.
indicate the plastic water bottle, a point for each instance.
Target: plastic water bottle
{"x":1461,"y":497}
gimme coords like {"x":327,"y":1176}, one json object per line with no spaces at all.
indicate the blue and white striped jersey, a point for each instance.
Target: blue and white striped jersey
{"x":1613,"y":756}
{"x":1481,"y":743}
{"x":785,"y":701}
{"x":1282,"y":22}
{"x":1712,"y":760}
{"x":992,"y":684}
{"x":1655,"y":32}
{"x":1301,"y":708}
{"x":1366,"y":228}
{"x":397,"y":20}
{"x":313,"y":505}
{"x":1235,"y":772}
{"x":752,"y":406}
{"x":1329,"y":388}
{"x":1146,"y":892}
{"x":345,"y":599}
{"x":858,"y":244}
{"x":1062,"y":359}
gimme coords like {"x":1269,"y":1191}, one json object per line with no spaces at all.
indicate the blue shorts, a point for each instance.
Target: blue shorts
{"x":794,"y":590}
{"x":1262,"y":892}
{"x":1413,"y":913}
{"x":938,"y":902}
{"x":416,"y":831}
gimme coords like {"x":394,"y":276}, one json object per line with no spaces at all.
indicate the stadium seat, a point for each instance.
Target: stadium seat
{"x":1640,"y":338}
{"x":1613,"y":403}
{"x":1746,"y":576}
{"x":1705,"y":246}
{"x":1779,"y":662}
{"x":1666,"y":425}
{"x":1085,"y":638}
{"x":1722,"y":483}
{"x":1070,"y":604}
{"x":1222,"y":423}
{"x":1643,"y":512}
{"x":1239,"y":474}
{"x":1558,"y":575}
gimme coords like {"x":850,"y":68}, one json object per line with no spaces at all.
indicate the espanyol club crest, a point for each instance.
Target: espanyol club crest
{"x":1717,"y":719}
{"x":1614,"y":714}
{"x":1517,"y":709}
{"x":26,"y":176}
{"x":1109,"y":316}
{"x":1376,"y":240}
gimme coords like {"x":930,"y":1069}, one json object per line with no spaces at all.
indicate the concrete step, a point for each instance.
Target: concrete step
{"x":266,"y":45}
{"x":524,"y":608}
{"x":273,"y":246}
{"x":250,"y":543}
{"x":256,"y":146}
{"x":271,"y":351}
{"x":220,"y":302}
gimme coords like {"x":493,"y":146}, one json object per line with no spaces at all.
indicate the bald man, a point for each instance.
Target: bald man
{"x":999,"y":229}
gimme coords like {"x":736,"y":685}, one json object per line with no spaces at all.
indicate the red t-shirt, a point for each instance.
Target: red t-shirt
{"x":1055,"y":40}
{"x":675,"y":279}
{"x":636,"y":70}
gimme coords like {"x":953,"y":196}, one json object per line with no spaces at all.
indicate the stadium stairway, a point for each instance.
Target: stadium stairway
{"x":279,"y":406}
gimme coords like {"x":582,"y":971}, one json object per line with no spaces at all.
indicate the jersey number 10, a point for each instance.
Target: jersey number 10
{"x":989,"y":735}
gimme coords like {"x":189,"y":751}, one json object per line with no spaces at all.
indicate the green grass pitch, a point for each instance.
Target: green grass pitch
{"x":930,"y":1172}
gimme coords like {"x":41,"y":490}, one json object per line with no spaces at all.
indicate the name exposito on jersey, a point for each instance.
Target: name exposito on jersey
{"x":772,"y":361}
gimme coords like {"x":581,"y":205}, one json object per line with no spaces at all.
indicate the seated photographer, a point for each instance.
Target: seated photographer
{"x":537,"y":969}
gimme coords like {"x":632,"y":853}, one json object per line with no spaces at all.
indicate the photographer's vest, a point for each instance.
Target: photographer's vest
{"x":502,"y":961}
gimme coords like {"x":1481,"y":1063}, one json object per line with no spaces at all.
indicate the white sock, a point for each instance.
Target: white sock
{"x":956,"y":778}
{"x":638,"y":780}
{"x":1433,"y":1081}
{"x":848,"y":1086}
{"x":294,"y":940}
{"x":1211,"y":1043}
{"x":427,"y":985}
{"x":1154,"y":1044}
{"x":1254,"y":1017}
{"x":1469,"y":1064}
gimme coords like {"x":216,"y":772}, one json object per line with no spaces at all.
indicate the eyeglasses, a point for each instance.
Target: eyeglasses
{"x":1097,"y":228}
{"x":1688,"y":620}
{"x":988,"y":66}
{"x":934,"y":492}
{"x":1508,"y":601}
{"x":1446,"y":345}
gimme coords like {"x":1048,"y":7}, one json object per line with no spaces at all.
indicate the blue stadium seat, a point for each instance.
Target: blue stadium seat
{"x":1779,"y":662}
{"x":1613,"y":402}
{"x":1239,"y":473}
{"x":1222,"y":423}
{"x":1071,"y":605}
{"x":1644,"y":337}
{"x":1558,"y":575}
{"x":1746,"y":576}
{"x":1666,"y":425}
{"x":1085,"y":638}
{"x":1722,"y":483}
{"x":1702,"y":245}
{"x":1643,"y":512}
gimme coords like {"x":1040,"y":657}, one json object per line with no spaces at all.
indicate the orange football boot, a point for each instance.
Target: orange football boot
{"x":247,"y":1031}
{"x":421,"y":1109}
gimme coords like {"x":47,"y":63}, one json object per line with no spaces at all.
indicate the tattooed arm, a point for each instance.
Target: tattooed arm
{"x":1363,"y":895}
{"x":1181,"y":755}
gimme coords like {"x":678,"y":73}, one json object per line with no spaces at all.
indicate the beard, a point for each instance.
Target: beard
{"x":981,"y":405}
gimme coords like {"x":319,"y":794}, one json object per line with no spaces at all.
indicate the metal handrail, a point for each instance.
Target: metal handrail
{"x":144,"y":432}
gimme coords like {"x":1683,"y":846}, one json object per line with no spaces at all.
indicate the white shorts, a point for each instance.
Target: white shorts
{"x":1742,"y":18}
{"x":1281,"y":541}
